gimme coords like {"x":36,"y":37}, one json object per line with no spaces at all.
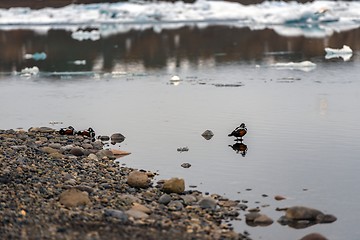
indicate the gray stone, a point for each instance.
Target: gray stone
{"x":188,"y":199}
{"x":77,"y":151}
{"x":208,"y":203}
{"x":118,"y":214}
{"x":175,"y":206}
{"x":186,"y":165}
{"x":105,"y":153}
{"x":117,"y":138}
{"x":164,"y":199}
{"x":208,"y":134}
{"x":104,"y":138}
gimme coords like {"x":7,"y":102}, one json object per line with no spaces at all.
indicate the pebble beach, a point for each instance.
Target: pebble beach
{"x":56,"y":186}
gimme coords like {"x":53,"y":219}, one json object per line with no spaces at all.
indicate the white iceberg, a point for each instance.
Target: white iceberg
{"x":80,"y":35}
{"x":303,"y":66}
{"x":28,"y":72}
{"x":345,"y":53}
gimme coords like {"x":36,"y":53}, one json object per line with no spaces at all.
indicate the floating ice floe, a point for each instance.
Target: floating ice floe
{"x":79,"y":62}
{"x":317,"y":18}
{"x":36,"y":56}
{"x":175,"y":80}
{"x":28,"y":72}
{"x":303,"y":66}
{"x":345,"y":53}
{"x":80,"y":35}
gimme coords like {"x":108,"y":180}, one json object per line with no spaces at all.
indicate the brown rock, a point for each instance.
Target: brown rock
{"x":77,"y":151}
{"x":263,"y":220}
{"x":302,"y":213}
{"x":138,"y":179}
{"x":314,"y":236}
{"x":174,"y":185}
{"x":119,"y":153}
{"x":74,"y":197}
{"x":279,"y":198}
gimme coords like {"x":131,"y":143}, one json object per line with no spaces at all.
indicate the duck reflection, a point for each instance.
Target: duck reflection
{"x":239,"y":147}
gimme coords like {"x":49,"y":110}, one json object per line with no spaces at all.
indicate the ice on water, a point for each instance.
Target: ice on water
{"x":315,"y":19}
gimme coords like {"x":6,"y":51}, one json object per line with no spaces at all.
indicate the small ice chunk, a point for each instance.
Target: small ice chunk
{"x":36,"y":56}
{"x":80,"y":62}
{"x":345,"y":53}
{"x":344,"y":50}
{"x":303,"y":66}
{"x":80,"y":35}
{"x":175,"y":78}
{"x":28,"y":72}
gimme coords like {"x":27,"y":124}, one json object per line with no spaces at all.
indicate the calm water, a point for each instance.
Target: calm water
{"x":303,"y":139}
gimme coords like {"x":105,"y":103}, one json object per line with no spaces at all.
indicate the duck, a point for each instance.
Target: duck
{"x":89,"y":133}
{"x":67,"y":131}
{"x":239,"y":132}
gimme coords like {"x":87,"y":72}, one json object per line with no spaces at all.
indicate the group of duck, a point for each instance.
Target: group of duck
{"x":71,"y":131}
{"x":238,"y":133}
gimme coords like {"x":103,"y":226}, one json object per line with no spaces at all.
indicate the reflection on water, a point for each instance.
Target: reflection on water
{"x":149,"y":49}
{"x":240,"y":147}
{"x":303,"y":126}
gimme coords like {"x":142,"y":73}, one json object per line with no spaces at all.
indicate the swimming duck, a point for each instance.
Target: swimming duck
{"x":239,"y":132}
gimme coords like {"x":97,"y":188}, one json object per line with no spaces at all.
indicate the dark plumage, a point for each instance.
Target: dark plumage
{"x":239,"y":132}
{"x":239,"y":147}
{"x":67,"y":131}
{"x":88,"y":133}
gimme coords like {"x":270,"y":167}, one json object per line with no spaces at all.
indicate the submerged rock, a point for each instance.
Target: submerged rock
{"x":314,"y":236}
{"x":301,"y":217}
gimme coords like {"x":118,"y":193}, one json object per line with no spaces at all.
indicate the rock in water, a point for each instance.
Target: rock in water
{"x":117,"y":138}
{"x":138,"y":179}
{"x":314,"y":236}
{"x":208,"y":134}
{"x":174,"y":185}
{"x":302,"y":213}
{"x":74,"y":197}
{"x":263,"y":220}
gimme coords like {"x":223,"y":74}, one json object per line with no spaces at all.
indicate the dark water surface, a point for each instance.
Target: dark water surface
{"x":303,"y":140}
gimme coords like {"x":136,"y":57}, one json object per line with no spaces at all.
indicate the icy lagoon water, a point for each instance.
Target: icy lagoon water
{"x":302,"y":119}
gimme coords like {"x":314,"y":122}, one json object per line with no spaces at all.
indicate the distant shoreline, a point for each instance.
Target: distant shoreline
{"x":36,"y":4}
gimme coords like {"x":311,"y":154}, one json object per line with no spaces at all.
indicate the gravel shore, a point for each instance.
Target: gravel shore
{"x":56,"y":186}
